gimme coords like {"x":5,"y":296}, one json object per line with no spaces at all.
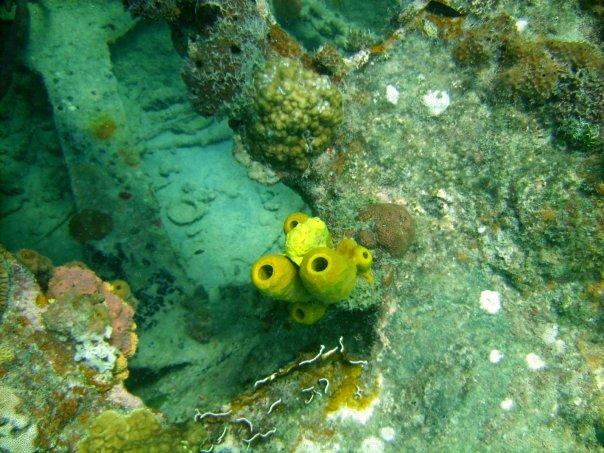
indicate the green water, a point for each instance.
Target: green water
{"x":163,"y":144}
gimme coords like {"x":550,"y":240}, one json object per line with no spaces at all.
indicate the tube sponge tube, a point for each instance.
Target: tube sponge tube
{"x":307,"y":313}
{"x":293,"y":220}
{"x":276,"y":277}
{"x":361,"y":256}
{"x":328,"y":275}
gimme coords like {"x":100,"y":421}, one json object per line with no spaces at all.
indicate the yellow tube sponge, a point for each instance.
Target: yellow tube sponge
{"x":361,"y":256}
{"x":276,"y":277}
{"x":304,"y":237}
{"x":120,"y":288}
{"x":293,"y":220}
{"x":307,"y":313}
{"x":328,"y":275}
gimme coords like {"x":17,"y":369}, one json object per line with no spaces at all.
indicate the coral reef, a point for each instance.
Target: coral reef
{"x":40,"y":265}
{"x":75,"y":285}
{"x":221,"y":60}
{"x":65,"y":356}
{"x":17,"y":433}
{"x":285,"y":113}
{"x":294,"y":115}
{"x":138,"y":431}
{"x":484,"y":336}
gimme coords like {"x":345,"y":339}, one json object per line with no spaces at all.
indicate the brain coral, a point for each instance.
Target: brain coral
{"x":392,"y":225}
{"x":139,"y":430}
{"x":294,"y":114}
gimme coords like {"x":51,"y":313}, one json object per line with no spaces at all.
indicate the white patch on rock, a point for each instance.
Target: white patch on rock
{"x":507,"y":404}
{"x":521,"y":25}
{"x":534,"y":362}
{"x":490,"y":301}
{"x":387,"y":433}
{"x":372,"y":445}
{"x":96,"y":353}
{"x":437,"y":101}
{"x":495,"y":356}
{"x":392,"y":94}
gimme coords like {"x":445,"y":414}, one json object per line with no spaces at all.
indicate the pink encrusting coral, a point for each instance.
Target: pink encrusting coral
{"x":79,"y":281}
{"x":73,"y":280}
{"x":122,"y":324}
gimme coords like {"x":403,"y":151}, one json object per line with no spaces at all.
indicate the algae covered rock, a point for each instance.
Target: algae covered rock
{"x":137,"y":431}
{"x":17,"y":433}
{"x":219,"y":65}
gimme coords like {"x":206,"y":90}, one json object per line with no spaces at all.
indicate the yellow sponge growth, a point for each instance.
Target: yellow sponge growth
{"x":361,"y":256}
{"x":277,"y":277}
{"x":293,"y":220}
{"x":120,"y":288}
{"x":307,"y":313}
{"x":304,"y":237}
{"x":311,"y":275}
{"x":328,"y":275}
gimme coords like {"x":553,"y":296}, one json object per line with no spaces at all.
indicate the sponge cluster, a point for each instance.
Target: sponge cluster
{"x":311,"y":275}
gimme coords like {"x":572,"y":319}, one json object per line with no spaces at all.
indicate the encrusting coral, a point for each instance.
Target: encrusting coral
{"x":69,"y":282}
{"x":63,"y":355}
{"x":138,"y":431}
{"x":392,"y":226}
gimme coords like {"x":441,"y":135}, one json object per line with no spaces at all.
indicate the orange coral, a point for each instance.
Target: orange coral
{"x":104,"y":127}
{"x":68,"y":281}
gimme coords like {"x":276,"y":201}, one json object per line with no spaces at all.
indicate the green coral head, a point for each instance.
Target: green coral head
{"x":306,"y":236}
